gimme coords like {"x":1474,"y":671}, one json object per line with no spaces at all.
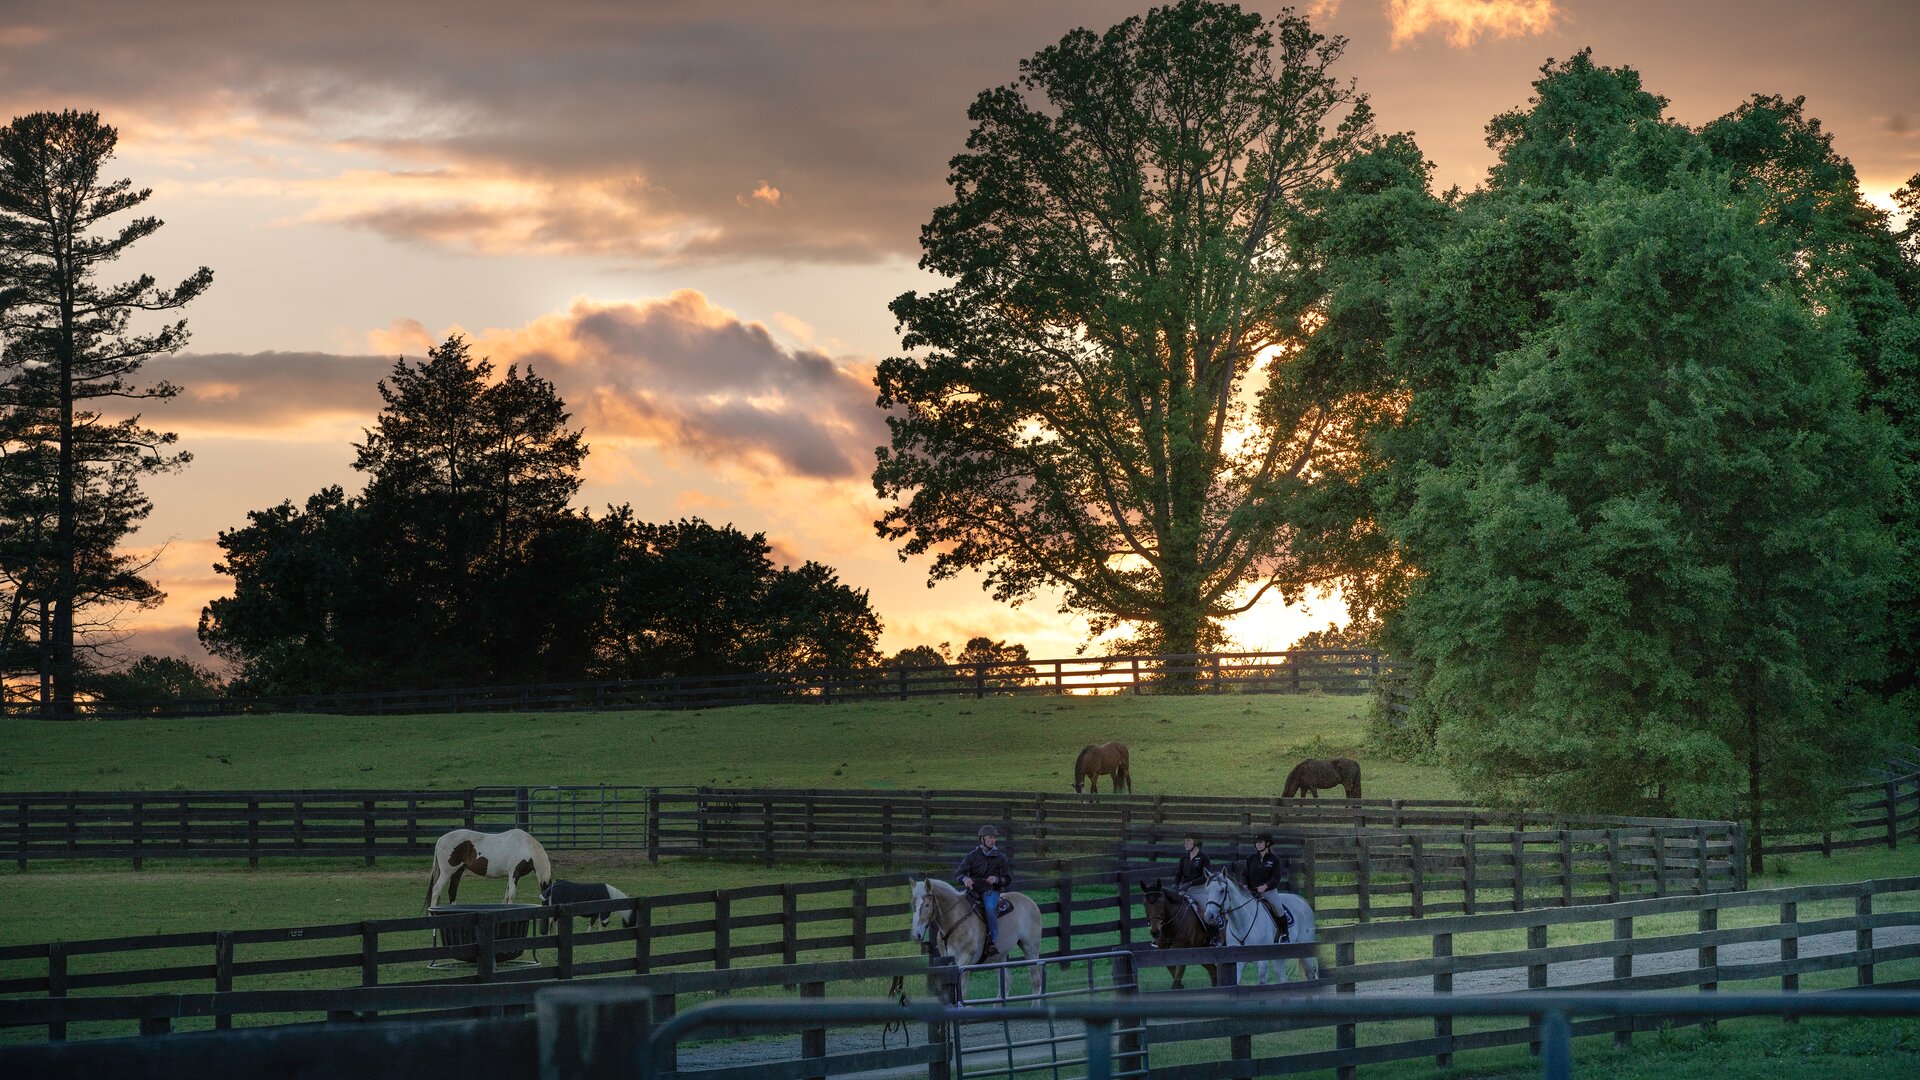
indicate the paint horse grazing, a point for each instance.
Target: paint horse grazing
{"x":555,"y":893}
{"x":1176,"y":925}
{"x":1274,"y":918}
{"x":512,"y":855}
{"x":1105,"y":759}
{"x":1308,"y":777}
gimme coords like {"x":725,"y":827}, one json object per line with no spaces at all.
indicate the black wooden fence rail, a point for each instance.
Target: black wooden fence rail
{"x":1639,"y":938}
{"x":1326,"y":670}
{"x":1085,"y":903}
{"x":1879,"y":811}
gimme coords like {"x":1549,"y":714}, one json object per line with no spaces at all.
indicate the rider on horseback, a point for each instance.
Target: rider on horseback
{"x":1192,"y":873}
{"x":984,"y":873}
{"x":1264,"y":877}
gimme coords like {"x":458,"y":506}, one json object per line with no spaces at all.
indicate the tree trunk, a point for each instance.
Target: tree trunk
{"x":1755,"y":849}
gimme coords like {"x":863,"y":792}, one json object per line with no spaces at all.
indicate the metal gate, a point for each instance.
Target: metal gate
{"x":1036,"y":1049}
{"x":568,"y":818}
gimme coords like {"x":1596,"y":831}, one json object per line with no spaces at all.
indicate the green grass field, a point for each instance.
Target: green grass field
{"x":1228,"y":745}
{"x":1198,"y":745}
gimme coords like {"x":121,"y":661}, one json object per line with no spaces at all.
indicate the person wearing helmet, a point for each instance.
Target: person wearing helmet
{"x":985,"y":873}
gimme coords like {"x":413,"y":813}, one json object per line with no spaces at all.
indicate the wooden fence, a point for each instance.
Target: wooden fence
{"x":1332,"y":671}
{"x":1878,"y":812}
{"x":909,"y":828}
{"x":1085,"y":904}
{"x":1643,"y":945}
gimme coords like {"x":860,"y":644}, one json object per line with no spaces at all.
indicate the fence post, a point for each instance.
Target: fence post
{"x":1346,"y":1035}
{"x":563,"y":949}
{"x":1566,"y":868}
{"x":1419,"y":883}
{"x":1659,"y":863}
{"x":1739,"y":858}
{"x":1893,"y":815}
{"x":1536,"y":974}
{"x":1709,"y":958}
{"x":790,"y":929}
{"x":592,"y":1034}
{"x":1519,"y":846}
{"x":1863,"y":937}
{"x":813,"y":1040}
{"x":722,"y":930}
{"x":1309,"y":853}
{"x":223,"y":973}
{"x":1789,"y":944}
{"x":642,"y":935}
{"x":1700,"y":859}
{"x":653,"y":825}
{"x":367,"y":828}
{"x":1443,"y":984}
{"x":1623,"y":970}
{"x":139,"y":819}
{"x":940,"y":988}
{"x":1065,"y":929}
{"x":1124,"y":896}
{"x":1470,"y":871}
{"x":1613,"y":866}
{"x":57,"y":983}
{"x":860,"y":919}
{"x":253,"y":834}
{"x":886,"y":836}
{"x":369,"y":954}
{"x":1363,"y":877}
{"x":1126,"y":981}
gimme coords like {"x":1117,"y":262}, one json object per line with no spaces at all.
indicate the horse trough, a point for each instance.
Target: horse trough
{"x":457,"y":931}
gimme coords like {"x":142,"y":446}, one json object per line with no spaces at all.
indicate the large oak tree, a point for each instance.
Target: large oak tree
{"x":1102,"y":401}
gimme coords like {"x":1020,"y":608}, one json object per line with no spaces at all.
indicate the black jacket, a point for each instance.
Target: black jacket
{"x":1193,"y":869}
{"x":1264,"y":870}
{"x":980,"y":863}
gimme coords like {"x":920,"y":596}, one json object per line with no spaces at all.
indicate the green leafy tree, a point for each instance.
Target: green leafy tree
{"x":68,"y":353}
{"x":155,"y":679}
{"x":1100,"y":401}
{"x":1635,"y":477}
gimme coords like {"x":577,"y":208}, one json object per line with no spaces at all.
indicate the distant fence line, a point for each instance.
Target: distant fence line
{"x":1299,"y":670}
{"x":1369,"y":957}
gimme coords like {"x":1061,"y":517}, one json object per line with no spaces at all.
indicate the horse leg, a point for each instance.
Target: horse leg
{"x":453,"y":884}
{"x":1213,"y":973}
{"x":1177,"y":973}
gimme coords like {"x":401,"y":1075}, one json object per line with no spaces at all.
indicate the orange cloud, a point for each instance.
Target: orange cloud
{"x":1464,"y":21}
{"x":765,"y":195}
{"x":402,"y":337}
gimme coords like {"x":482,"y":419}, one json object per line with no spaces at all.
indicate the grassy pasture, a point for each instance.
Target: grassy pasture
{"x":1232,"y":744}
{"x":1225,"y":745}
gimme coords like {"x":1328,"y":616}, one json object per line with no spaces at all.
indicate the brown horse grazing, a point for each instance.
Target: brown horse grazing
{"x":1308,"y":777}
{"x":1096,"y":761}
{"x":1175,"y":925}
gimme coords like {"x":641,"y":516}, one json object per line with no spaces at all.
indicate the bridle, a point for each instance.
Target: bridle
{"x":1224,"y":911}
{"x":941,"y":930}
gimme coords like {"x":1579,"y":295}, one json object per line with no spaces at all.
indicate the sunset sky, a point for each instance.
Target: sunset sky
{"x":691,"y":217}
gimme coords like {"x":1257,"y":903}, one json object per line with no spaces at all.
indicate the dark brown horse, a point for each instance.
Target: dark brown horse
{"x":1308,"y":777}
{"x":1175,"y":925}
{"x":1096,"y":761}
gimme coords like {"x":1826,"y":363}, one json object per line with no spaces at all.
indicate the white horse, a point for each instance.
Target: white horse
{"x":944,"y":914}
{"x":1228,"y":904}
{"x":512,"y":855}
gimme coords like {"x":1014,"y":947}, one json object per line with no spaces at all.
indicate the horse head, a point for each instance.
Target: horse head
{"x":1214,"y":899}
{"x":922,"y":908}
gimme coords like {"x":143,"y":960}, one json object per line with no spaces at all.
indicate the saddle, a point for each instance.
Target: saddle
{"x":1004,"y":907}
{"x":1282,"y":922}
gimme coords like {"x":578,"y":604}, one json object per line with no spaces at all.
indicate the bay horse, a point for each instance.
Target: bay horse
{"x":1176,"y":925}
{"x":1097,"y":761}
{"x":1227,"y":903}
{"x":512,"y":855}
{"x":1308,"y":777}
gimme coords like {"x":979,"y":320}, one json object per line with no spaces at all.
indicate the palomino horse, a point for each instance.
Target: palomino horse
{"x":1175,"y":925}
{"x":1282,"y":918}
{"x":1098,"y":761}
{"x":1308,"y":777}
{"x":945,"y":915}
{"x":512,"y":855}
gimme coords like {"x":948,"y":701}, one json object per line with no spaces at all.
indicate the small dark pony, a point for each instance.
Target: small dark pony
{"x":1096,"y":761}
{"x":1175,"y":925}
{"x":1308,"y":777}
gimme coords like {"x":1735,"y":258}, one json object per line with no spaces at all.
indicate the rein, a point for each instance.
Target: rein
{"x":942,"y":931}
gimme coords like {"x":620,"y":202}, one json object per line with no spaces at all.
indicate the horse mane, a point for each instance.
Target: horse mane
{"x":542,"y":866}
{"x":1089,"y":750}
